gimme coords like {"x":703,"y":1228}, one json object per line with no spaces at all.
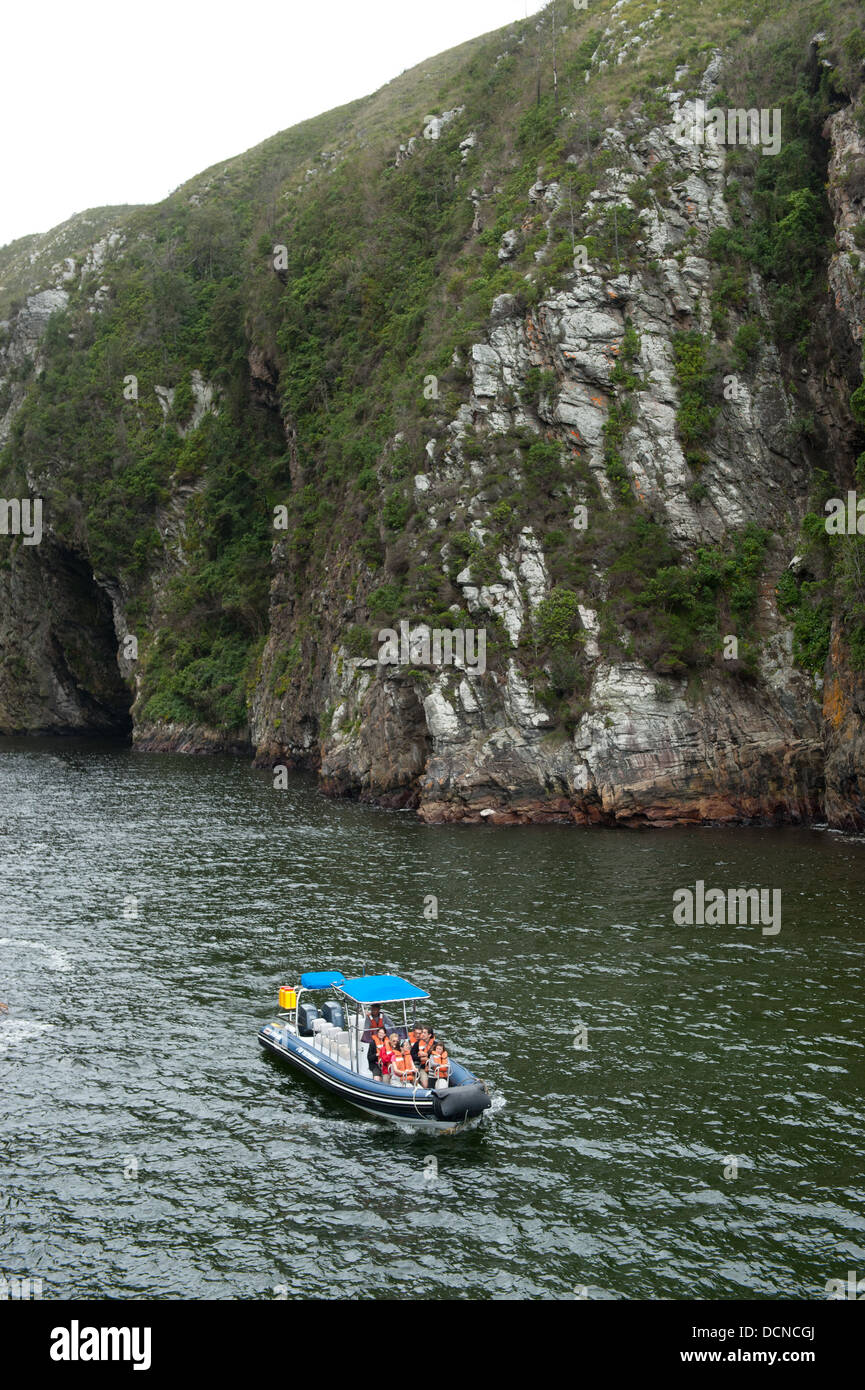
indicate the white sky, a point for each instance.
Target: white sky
{"x":113,"y":101}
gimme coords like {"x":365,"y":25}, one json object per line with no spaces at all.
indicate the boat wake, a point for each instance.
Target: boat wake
{"x":57,"y":959}
{"x":20,"y":1030}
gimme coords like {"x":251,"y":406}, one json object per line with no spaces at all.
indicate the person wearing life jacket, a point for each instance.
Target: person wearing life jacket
{"x":404,"y":1068}
{"x":420,"y":1056}
{"x":389,"y":1052}
{"x":379,"y":1055}
{"x":374,"y":1019}
{"x":439,"y":1063}
{"x":387,"y":1049}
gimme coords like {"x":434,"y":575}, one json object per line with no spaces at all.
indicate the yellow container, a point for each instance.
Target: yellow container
{"x":287,"y":998}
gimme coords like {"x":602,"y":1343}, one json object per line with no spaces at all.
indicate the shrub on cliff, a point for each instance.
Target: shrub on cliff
{"x":557,"y":620}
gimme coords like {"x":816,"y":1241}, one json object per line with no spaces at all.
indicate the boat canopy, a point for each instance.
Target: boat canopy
{"x":321,"y":979}
{"x":380,"y":989}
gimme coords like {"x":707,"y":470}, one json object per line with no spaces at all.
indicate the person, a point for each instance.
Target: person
{"x":439,"y":1064}
{"x":388,"y":1055}
{"x":420,"y":1056}
{"x":404,"y":1068}
{"x":379,"y":1055}
{"x":374,"y":1019}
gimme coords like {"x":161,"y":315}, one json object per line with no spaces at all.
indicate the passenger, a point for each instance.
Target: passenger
{"x":395,"y":1045}
{"x":379,"y":1055}
{"x":388,"y":1056}
{"x":439,"y":1064}
{"x":404,"y":1068}
{"x":388,"y":1048}
{"x":420,"y":1056}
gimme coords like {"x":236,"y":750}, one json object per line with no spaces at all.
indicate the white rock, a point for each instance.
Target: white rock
{"x":442,"y":719}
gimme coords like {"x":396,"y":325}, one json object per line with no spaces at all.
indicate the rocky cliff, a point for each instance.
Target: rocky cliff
{"x":544,"y":365}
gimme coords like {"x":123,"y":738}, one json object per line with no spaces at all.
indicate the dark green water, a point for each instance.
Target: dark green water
{"x":132,"y":1036}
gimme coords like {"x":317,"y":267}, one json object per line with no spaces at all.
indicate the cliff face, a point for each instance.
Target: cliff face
{"x":606,"y":464}
{"x":844,"y":692}
{"x":463,"y":746}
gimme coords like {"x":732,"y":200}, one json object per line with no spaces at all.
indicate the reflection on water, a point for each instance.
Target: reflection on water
{"x":152,"y":905}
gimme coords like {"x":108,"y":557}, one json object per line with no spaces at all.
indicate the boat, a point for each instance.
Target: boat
{"x":328,"y":1038}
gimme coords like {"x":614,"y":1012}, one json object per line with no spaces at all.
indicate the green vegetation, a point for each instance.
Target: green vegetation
{"x":557,"y":619}
{"x":695,"y":417}
{"x":386,"y":281}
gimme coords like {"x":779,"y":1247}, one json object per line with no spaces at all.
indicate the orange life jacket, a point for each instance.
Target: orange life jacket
{"x":440,"y":1064}
{"x":403,"y":1065}
{"x":422,"y":1051}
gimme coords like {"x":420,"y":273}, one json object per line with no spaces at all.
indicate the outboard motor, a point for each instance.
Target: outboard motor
{"x":461,"y":1102}
{"x":333,"y":1013}
{"x":307,"y":1013}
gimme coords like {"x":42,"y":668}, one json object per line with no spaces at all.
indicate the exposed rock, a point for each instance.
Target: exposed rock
{"x":58,"y":647}
{"x":187,"y":738}
{"x":846,"y":193}
{"x":27,"y":330}
{"x":508,"y":245}
{"x":434,"y":125}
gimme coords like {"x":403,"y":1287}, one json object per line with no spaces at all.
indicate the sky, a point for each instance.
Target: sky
{"x":106,"y":101}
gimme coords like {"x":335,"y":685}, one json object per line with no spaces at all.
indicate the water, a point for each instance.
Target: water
{"x":151,"y":907}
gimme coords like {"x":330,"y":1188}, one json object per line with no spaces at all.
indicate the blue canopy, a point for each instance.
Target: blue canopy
{"x":381,"y":989}
{"x":321,"y":979}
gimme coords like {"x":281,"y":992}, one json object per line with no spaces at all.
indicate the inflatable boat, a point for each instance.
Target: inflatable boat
{"x":328,"y":1039}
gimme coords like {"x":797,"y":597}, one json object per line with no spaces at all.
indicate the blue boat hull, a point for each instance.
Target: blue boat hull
{"x":465,"y":1098}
